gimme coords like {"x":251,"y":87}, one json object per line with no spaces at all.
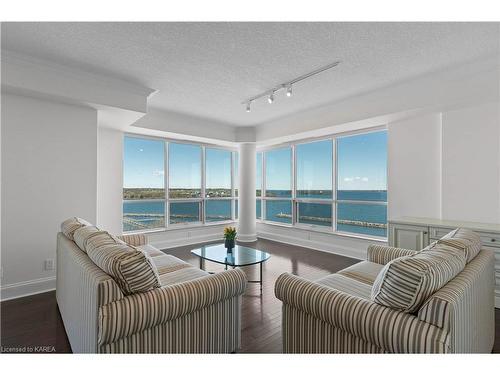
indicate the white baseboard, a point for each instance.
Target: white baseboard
{"x":246,"y":238}
{"x":350,"y":252}
{"x":27,"y":288}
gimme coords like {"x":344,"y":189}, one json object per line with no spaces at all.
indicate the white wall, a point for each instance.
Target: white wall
{"x":328,"y":242}
{"x":186,"y":236}
{"x":446,"y":165}
{"x":455,"y":87}
{"x":109,"y":179}
{"x":470,"y":164}
{"x":49,"y":158}
{"x":414,"y":167}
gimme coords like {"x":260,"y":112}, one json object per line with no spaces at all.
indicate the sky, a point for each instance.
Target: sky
{"x":362,"y":161}
{"x":144,"y":165}
{"x":362,"y":164}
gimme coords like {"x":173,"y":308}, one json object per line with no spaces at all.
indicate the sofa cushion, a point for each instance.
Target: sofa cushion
{"x":181,"y":276}
{"x":168,"y":263}
{"x":132,"y":269}
{"x":150,"y":250}
{"x":69,"y":226}
{"x":347,"y":285}
{"x":405,"y":283}
{"x":365,"y":272}
{"x":464,"y":239}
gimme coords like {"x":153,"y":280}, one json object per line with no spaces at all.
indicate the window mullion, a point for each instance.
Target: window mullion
{"x":263,"y":189}
{"x":294,"y":184}
{"x":233,"y":195}
{"x":166,"y":184}
{"x":203,"y":181}
{"x":334,"y":184}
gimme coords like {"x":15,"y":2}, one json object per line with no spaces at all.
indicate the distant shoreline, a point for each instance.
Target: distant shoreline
{"x":159,"y":193}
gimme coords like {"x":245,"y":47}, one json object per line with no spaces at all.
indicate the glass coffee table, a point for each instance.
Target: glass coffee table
{"x":240,"y":256}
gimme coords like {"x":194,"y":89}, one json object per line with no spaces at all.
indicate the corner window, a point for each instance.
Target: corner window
{"x":337,"y":184}
{"x":198,"y":188}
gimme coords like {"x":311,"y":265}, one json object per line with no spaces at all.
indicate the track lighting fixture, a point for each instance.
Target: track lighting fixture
{"x":287,"y":86}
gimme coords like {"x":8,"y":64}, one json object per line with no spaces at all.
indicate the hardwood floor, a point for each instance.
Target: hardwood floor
{"x":34,"y":322}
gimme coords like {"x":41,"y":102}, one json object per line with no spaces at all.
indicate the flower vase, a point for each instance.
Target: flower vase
{"x":229,"y":244}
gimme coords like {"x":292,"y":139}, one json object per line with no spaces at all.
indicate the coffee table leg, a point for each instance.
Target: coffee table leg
{"x":201,"y":263}
{"x":260,"y":277}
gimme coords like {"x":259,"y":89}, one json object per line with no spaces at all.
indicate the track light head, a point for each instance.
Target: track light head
{"x":286,"y":86}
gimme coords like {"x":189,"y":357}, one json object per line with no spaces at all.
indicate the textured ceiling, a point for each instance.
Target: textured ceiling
{"x":207,"y":69}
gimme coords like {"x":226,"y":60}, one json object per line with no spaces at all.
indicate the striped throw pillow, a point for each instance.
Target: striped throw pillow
{"x":82,"y":234}
{"x":406,"y":283}
{"x":463,"y":239}
{"x":101,"y":238}
{"x":69,"y":226}
{"x":132,"y":270}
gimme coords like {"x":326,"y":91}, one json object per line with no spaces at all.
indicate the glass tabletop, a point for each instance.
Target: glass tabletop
{"x":240,"y":256}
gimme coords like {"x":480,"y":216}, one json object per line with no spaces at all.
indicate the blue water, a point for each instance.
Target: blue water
{"x":276,"y":210}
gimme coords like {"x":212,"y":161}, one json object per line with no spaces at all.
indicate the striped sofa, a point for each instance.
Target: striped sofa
{"x":190,"y":312}
{"x":339,"y":313}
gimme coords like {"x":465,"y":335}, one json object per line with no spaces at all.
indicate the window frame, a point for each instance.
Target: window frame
{"x":202,"y":222}
{"x":333,"y":201}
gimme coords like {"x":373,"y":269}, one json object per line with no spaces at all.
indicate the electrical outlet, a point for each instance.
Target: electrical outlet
{"x":48,"y":265}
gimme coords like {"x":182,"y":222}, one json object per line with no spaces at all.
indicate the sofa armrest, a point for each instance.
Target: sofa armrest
{"x":138,"y":312}
{"x":384,"y":254}
{"x":134,"y":239}
{"x":391,"y":330}
{"x":459,"y":304}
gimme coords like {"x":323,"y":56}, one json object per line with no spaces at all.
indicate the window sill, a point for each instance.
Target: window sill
{"x":176,"y":227}
{"x":325,"y":231}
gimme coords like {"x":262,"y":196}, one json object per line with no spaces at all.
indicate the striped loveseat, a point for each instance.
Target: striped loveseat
{"x":183,"y":310}
{"x":437,"y":300}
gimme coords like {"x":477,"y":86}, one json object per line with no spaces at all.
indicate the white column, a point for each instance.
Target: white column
{"x":246,"y":190}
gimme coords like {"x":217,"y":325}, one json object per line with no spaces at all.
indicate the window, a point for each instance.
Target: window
{"x":314,"y":213}
{"x":236,"y":182}
{"x":258,"y":177}
{"x":337,"y":184}
{"x":218,"y":184}
{"x":197,"y":192}
{"x":362,"y":184}
{"x":279,"y":211}
{"x":236,"y":173}
{"x":185,"y":212}
{"x":314,"y":169}
{"x":218,"y":173}
{"x":218,"y":210}
{"x":143,"y":184}
{"x":184,"y":171}
{"x":278,"y":185}
{"x":279,"y":173}
{"x":258,"y":186}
